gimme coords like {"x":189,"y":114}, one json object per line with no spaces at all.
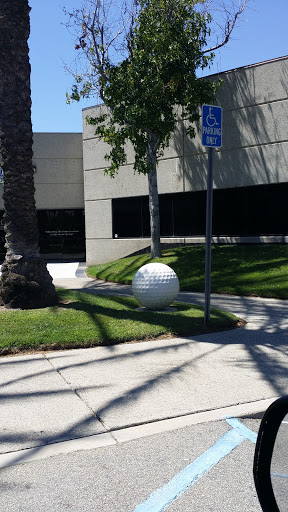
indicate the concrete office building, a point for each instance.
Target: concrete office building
{"x":250,"y":175}
{"x":250,"y":179}
{"x":59,"y":194}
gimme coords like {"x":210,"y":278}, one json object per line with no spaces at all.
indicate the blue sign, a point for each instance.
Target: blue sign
{"x":211,"y":126}
{"x":1,"y":175}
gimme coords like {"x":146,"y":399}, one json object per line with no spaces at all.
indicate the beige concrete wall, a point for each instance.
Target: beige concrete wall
{"x":255,"y":151}
{"x":255,"y":141}
{"x":59,"y":170}
{"x":58,"y":158}
{"x":102,"y":250}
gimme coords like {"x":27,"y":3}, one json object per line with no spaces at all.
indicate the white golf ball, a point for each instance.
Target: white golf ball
{"x":155,"y":286}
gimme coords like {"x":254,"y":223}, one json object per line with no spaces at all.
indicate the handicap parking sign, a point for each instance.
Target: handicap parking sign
{"x":211,"y":126}
{"x":1,"y":175}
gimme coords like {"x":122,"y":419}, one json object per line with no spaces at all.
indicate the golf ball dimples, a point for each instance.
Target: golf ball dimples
{"x":155,"y":286}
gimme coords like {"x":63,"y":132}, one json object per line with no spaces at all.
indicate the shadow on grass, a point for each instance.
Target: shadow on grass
{"x":103,"y":320}
{"x":242,"y":269}
{"x":238,"y":270}
{"x":112,"y":272}
{"x":166,"y":322}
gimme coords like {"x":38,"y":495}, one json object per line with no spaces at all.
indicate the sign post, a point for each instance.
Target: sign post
{"x":211,"y":138}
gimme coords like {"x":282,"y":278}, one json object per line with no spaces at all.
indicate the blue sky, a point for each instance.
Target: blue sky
{"x":261,"y":35}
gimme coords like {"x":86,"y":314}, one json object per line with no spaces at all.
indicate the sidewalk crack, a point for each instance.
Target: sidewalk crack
{"x":78,"y":394}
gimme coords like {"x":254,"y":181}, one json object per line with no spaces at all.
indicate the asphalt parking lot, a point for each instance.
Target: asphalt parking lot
{"x":202,"y":468}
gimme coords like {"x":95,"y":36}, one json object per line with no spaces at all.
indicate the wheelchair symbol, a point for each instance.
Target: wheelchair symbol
{"x":211,"y":119}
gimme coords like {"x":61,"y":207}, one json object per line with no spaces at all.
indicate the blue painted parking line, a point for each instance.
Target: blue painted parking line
{"x":159,"y":500}
{"x":242,"y":430}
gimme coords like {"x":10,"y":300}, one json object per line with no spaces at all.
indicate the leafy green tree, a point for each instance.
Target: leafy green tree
{"x":25,"y":281}
{"x":156,"y":82}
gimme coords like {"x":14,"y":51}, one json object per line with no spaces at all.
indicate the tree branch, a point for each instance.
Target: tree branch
{"x":228,"y":29}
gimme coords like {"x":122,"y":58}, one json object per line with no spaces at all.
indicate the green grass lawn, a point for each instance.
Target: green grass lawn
{"x":244,"y":269}
{"x":86,"y":320}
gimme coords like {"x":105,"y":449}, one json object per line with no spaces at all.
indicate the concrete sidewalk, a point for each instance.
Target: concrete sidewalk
{"x":103,"y":394}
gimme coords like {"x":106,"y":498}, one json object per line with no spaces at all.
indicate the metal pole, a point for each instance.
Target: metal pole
{"x":209,"y":203}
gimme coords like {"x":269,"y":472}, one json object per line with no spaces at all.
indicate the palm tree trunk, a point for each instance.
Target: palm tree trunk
{"x":153,"y":198}
{"x":26,"y":282}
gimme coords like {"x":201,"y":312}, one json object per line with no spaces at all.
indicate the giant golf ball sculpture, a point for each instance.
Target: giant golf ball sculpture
{"x":155,"y":286}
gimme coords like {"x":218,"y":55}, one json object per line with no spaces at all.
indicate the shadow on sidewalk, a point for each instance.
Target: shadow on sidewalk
{"x":260,"y":349}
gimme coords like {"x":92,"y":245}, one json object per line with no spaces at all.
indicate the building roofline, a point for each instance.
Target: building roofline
{"x":261,"y":63}
{"x":248,"y":66}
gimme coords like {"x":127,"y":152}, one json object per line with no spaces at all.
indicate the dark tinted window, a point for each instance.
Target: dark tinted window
{"x":61,"y":234}
{"x":245,"y":211}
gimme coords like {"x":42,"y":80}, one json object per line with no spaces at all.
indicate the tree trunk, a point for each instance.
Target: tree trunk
{"x":26,"y":282}
{"x":153,"y":198}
